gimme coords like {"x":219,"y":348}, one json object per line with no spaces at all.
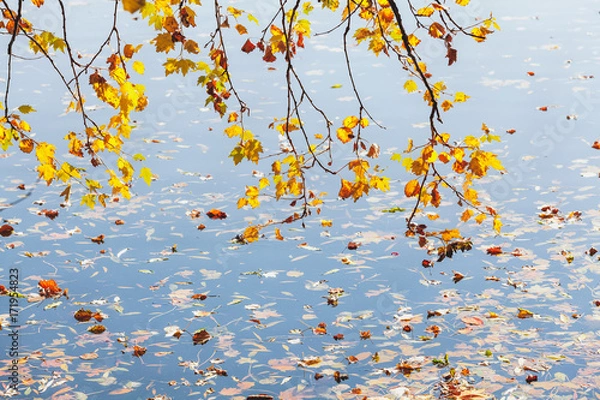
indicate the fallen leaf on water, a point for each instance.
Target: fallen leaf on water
{"x":457,"y":277}
{"x":48,"y":213}
{"x":531,"y":378}
{"x":195,"y":214}
{"x":6,"y":230}
{"x":352,"y":359}
{"x":216,"y":214}
{"x":98,"y":239}
{"x":97,"y":329}
{"x":138,"y":351}
{"x":339,"y":377}
{"x":523,"y":313}
{"x":49,"y":288}
{"x":89,"y":356}
{"x":433,"y":329}
{"x":474,"y":321}
{"x":364,"y":335}
{"x":201,"y":337}
{"x":494,"y":250}
{"x":353,"y":246}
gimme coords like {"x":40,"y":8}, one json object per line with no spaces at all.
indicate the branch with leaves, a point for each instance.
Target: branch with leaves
{"x":437,"y":164}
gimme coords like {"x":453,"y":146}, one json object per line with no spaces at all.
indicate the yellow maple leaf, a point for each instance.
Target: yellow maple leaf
{"x":139,"y":67}
{"x":410,"y":86}
{"x":146,"y":175}
{"x":345,"y":134}
{"x":251,"y":234}
{"x":233,"y":130}
{"x":163,"y":42}
{"x":89,"y":200}
{"x":460,"y":97}
{"x":350,"y":122}
{"x":133,"y":5}
{"x":497,"y":224}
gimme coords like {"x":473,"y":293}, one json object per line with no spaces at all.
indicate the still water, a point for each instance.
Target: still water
{"x":266,"y":308}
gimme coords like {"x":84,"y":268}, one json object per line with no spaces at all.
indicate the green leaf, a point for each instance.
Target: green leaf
{"x":393,"y":210}
{"x":26,"y":109}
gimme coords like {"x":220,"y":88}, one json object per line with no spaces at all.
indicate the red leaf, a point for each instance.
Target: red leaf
{"x":49,"y":288}
{"x":49,"y":213}
{"x":216,"y":214}
{"x":201,"y":337}
{"x":531,"y":378}
{"x":353,"y":245}
{"x":451,"y":55}
{"x":6,"y":230}
{"x":494,"y":250}
{"x":269,"y":57}
{"x":248,"y":47}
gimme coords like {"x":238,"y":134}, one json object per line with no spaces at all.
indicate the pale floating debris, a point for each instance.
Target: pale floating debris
{"x":157,"y":259}
{"x":53,"y":305}
{"x":146,"y":271}
{"x":306,"y":246}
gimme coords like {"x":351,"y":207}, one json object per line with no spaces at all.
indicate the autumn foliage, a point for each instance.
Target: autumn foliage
{"x":439,"y":166}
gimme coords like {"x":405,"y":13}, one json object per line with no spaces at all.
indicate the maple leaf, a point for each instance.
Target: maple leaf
{"x":494,"y":250}
{"x":163,"y":42}
{"x":49,"y":288}
{"x":410,"y":86}
{"x":133,"y":5}
{"x":345,"y":134}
